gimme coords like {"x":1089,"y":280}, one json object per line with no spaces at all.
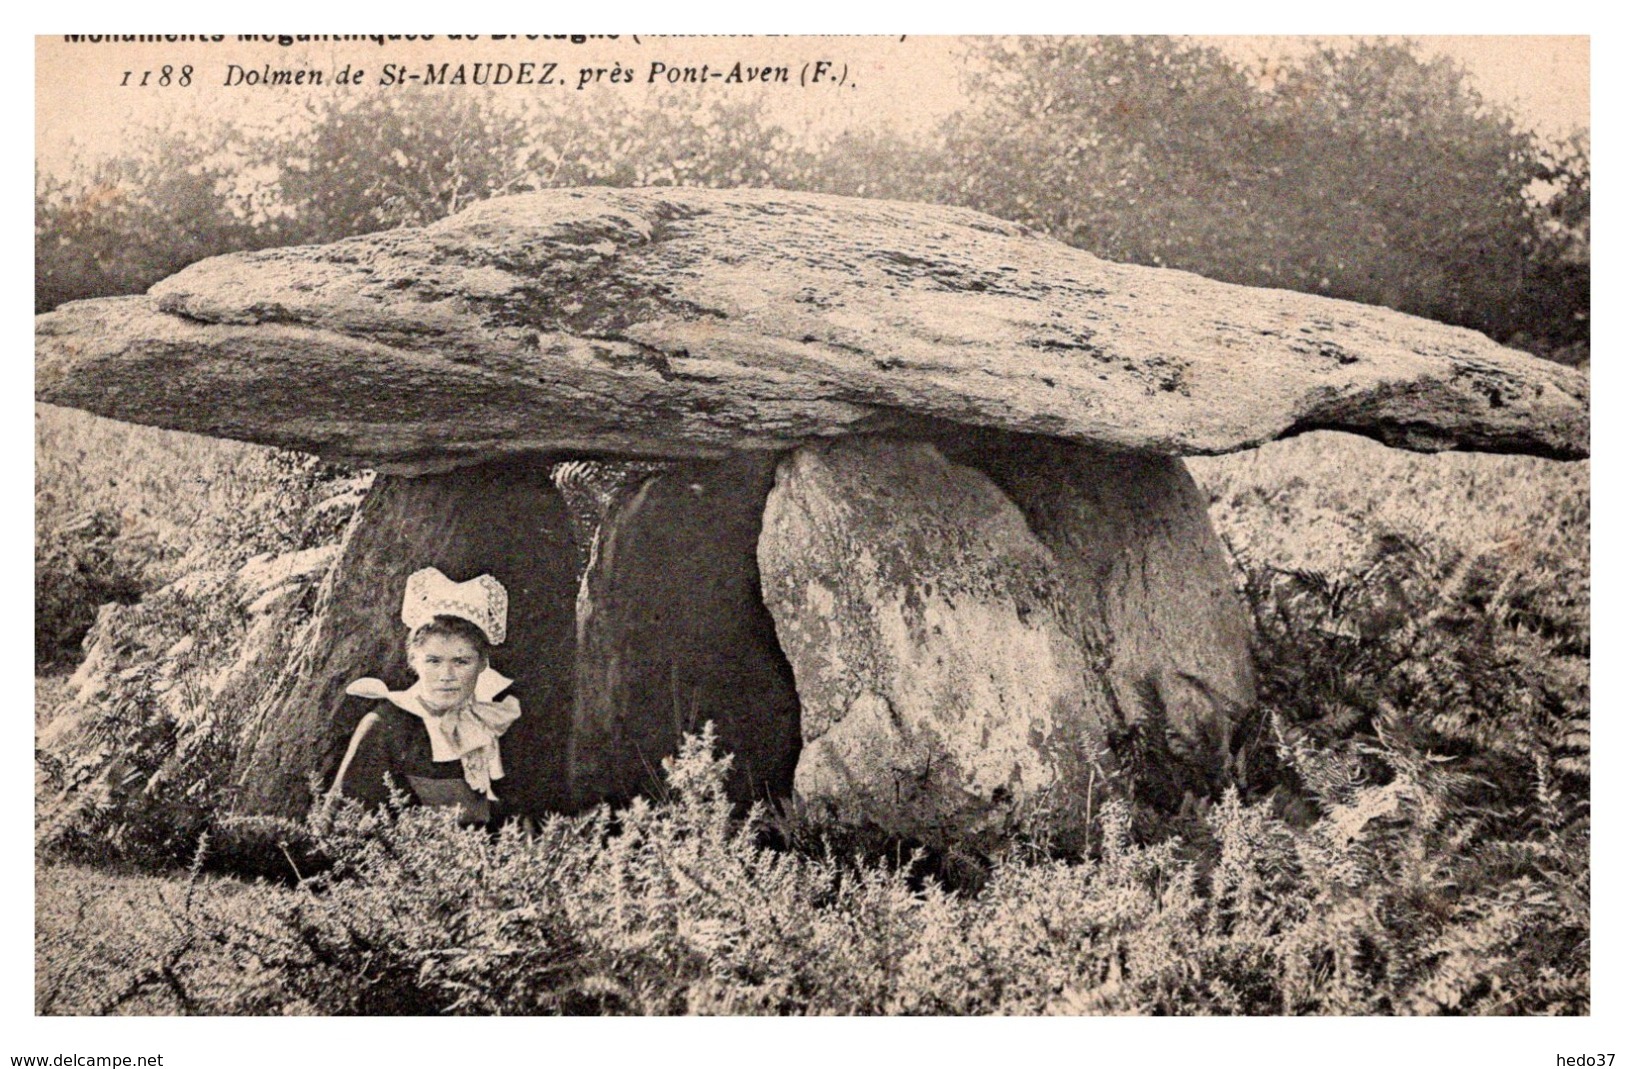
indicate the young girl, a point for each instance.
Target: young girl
{"x":437,"y":740}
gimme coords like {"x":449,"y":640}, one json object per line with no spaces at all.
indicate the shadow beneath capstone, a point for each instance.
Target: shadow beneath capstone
{"x":672,"y":632}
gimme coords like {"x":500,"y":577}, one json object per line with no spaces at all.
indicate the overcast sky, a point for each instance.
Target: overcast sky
{"x":1545,"y":80}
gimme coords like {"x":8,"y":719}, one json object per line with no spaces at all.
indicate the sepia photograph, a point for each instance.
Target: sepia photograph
{"x":812,"y":526}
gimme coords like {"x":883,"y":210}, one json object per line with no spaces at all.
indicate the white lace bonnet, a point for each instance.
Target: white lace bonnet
{"x":482,"y":601}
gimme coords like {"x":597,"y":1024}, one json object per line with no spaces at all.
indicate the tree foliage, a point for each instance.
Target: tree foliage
{"x":1368,"y":173}
{"x":118,"y":225}
{"x":382,"y":161}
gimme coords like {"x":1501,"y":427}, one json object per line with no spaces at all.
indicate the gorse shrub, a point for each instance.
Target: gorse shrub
{"x":676,"y":906}
{"x":136,"y":765}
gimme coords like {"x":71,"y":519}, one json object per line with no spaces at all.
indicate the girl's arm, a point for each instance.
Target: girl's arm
{"x":361,"y":773}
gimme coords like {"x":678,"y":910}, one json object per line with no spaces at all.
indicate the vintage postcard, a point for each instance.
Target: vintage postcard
{"x":604,"y":524}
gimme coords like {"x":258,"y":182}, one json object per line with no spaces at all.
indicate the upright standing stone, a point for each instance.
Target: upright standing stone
{"x":672,"y":632}
{"x":504,"y":519}
{"x":1146,"y":577}
{"x":941,"y":694}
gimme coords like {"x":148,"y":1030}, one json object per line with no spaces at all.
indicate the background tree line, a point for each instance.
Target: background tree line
{"x":1368,"y":173}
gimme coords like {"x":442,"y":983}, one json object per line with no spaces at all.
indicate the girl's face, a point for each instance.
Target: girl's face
{"x":447,"y":667}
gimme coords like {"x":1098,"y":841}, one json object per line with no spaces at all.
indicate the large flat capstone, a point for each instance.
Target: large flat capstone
{"x":688,"y":322}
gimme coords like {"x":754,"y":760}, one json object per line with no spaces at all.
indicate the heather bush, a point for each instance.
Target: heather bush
{"x":134,"y":763}
{"x":1395,"y":899}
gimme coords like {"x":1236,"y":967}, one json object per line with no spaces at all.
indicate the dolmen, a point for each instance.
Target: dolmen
{"x":922,"y":545}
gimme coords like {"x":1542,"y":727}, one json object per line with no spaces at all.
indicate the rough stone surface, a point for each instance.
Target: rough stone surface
{"x":1146,"y":579}
{"x":941,"y":693}
{"x":672,"y":632}
{"x":688,"y":322}
{"x":505,"y":519}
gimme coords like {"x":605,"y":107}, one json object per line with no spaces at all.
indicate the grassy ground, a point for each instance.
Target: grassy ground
{"x":111,"y":940}
{"x":1321,"y":500}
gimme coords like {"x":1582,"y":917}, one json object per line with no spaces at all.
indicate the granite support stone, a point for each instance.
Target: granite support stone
{"x":1147,"y":580}
{"x":942,"y":697}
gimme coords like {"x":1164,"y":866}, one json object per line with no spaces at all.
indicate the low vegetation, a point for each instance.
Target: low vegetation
{"x":1406,"y":830}
{"x":136,"y":748}
{"x":677,"y":906}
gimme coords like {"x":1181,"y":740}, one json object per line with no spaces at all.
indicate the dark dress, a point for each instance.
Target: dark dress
{"x":391,"y":742}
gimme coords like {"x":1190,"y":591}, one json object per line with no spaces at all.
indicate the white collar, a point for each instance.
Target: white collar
{"x":453,"y":733}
